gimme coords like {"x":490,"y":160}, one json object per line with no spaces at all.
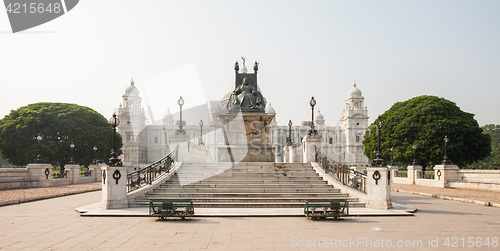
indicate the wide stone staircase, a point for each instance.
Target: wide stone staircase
{"x":246,"y":185}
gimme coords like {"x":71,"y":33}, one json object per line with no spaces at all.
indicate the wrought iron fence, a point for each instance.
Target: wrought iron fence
{"x":85,"y":173}
{"x":428,"y":175}
{"x":341,"y":172}
{"x":146,"y":176}
{"x":60,"y":175}
{"x":402,"y":174}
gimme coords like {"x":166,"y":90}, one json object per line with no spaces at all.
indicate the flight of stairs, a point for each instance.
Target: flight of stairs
{"x":248,"y":184}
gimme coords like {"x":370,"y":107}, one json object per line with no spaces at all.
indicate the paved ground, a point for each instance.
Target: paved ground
{"x":14,"y":196}
{"x":53,"y":224}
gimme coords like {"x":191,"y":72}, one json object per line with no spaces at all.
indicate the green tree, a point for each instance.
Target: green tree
{"x":424,"y":121}
{"x":59,"y":124}
{"x":492,"y":161}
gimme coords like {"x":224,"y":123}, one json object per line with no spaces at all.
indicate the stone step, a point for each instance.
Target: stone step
{"x":271,"y":178}
{"x":247,"y":195}
{"x":239,"y":185}
{"x":246,"y":175}
{"x":246,"y":190}
{"x":245,"y":205}
{"x":249,"y":181}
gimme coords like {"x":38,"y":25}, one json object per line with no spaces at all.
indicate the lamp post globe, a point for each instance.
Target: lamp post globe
{"x":414,"y":147}
{"x":180,"y":102}
{"x":200,"y":141}
{"x":312,"y":103}
{"x":39,"y":158}
{"x":95,"y":155}
{"x":114,"y":160}
{"x":72,"y":146}
{"x":392,"y":156}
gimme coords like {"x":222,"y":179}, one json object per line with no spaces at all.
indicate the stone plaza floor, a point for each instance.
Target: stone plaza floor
{"x":53,"y":224}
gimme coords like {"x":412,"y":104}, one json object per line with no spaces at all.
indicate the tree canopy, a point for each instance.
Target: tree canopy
{"x":492,"y":161}
{"x":59,"y":124}
{"x":424,"y":121}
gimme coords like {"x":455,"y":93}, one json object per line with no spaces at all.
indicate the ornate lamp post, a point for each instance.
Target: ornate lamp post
{"x":289,"y":141}
{"x":446,"y":161}
{"x":312,"y":103}
{"x":39,"y":158}
{"x":114,"y":160}
{"x":378,"y":161}
{"x":180,"y":102}
{"x":414,"y":147}
{"x":95,"y":155}
{"x":72,"y":146}
{"x":200,"y":141}
{"x":392,"y":156}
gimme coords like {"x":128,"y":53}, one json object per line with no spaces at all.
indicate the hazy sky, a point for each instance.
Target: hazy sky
{"x":395,"y":50}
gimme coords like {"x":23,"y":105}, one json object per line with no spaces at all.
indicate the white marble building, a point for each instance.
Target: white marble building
{"x":145,"y":143}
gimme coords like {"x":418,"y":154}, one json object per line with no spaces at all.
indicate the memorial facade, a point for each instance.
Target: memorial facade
{"x":242,"y":122}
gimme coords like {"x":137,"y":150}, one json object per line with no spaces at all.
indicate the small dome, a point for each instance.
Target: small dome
{"x":354,"y":92}
{"x":270,"y":109}
{"x":168,"y":119}
{"x":319,"y":116}
{"x":131,"y":89}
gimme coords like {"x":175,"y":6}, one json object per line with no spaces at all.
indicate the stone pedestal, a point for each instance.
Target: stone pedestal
{"x":182,"y":140}
{"x":287,"y":154}
{"x":95,"y":171}
{"x":414,"y":172}
{"x":378,"y":188}
{"x":114,"y":187}
{"x":393,"y":170}
{"x":445,"y":173}
{"x":246,"y":138}
{"x":39,"y":172}
{"x":73,"y":172}
{"x":308,"y":143}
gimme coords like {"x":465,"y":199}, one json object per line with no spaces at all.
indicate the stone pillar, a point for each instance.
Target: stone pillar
{"x":286,"y":154}
{"x":41,"y":173}
{"x":73,"y":172}
{"x":378,"y":188}
{"x":183,"y":151}
{"x":414,"y":172}
{"x":308,"y":143}
{"x":95,"y":171}
{"x":393,"y":170}
{"x":114,"y":187}
{"x":445,"y":173}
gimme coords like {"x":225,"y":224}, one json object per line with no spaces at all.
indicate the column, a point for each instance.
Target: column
{"x":445,"y":173}
{"x":114,"y":187}
{"x":95,"y":171}
{"x":378,"y":188}
{"x":73,"y":172}
{"x":414,"y":172}
{"x":308,"y":143}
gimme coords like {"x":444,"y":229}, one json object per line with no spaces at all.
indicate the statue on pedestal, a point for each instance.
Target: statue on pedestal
{"x":246,"y":98}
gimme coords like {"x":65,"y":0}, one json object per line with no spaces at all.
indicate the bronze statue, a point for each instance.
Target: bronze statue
{"x":246,"y":98}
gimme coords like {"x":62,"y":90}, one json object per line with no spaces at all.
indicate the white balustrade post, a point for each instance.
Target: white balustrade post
{"x":114,"y":187}
{"x":378,"y":188}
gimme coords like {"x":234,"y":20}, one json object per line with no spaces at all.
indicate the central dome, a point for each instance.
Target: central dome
{"x":354,"y":92}
{"x":131,"y":89}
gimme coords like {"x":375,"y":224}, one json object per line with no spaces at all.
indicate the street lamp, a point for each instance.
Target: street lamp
{"x":72,"y":146}
{"x":392,"y":156}
{"x":446,"y":161}
{"x":312,"y":103}
{"x":39,"y":158}
{"x":378,"y":161}
{"x":95,"y":155}
{"x":114,"y":160}
{"x":414,"y":147}
{"x":200,"y":141}
{"x":180,"y":102}
{"x":289,"y":141}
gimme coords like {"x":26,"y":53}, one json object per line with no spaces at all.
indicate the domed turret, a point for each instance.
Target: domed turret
{"x":168,"y":119}
{"x":270,"y":109}
{"x":354,"y":92}
{"x":132,"y":90}
{"x":319,"y":120}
